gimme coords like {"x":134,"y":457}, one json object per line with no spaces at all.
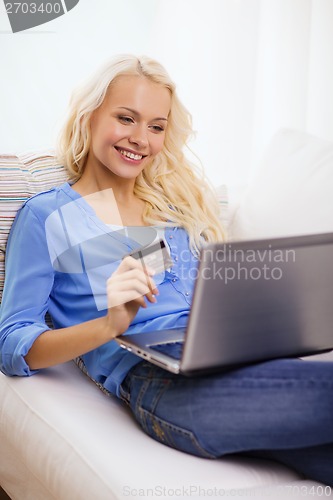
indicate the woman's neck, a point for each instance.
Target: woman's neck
{"x":88,"y":184}
{"x":113,"y":203}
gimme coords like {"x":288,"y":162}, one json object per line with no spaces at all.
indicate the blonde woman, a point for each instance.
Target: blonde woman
{"x":130,"y":183}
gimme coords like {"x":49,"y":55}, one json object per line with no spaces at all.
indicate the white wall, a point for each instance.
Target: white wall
{"x":244,"y":68}
{"x":320,"y":82}
{"x":282,"y":69}
{"x":40,"y":67}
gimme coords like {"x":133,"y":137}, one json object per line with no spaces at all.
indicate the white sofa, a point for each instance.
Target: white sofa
{"x":62,"y":438}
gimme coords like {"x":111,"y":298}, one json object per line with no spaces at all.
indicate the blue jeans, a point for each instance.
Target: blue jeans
{"x":281,"y":410}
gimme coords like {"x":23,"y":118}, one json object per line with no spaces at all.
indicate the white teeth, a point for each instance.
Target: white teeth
{"x":130,"y":155}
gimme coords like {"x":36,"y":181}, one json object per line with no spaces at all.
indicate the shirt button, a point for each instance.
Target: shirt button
{"x":170,"y":236}
{"x":176,"y":259}
{"x":174,"y":279}
{"x":187,"y":294}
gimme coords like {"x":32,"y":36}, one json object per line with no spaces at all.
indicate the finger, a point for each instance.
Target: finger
{"x":122,"y":294}
{"x":127,"y":286}
{"x":131,"y":263}
{"x":119,"y":299}
{"x":141,"y":301}
{"x":129,"y":279}
{"x":124,"y":279}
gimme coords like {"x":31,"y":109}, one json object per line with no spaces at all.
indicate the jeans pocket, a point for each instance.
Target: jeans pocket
{"x":170,"y":434}
{"x":148,"y":385}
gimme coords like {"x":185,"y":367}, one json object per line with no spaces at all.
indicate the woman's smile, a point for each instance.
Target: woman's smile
{"x":129,"y":155}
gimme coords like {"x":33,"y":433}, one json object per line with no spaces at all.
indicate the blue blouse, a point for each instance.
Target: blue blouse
{"x":59,"y":256}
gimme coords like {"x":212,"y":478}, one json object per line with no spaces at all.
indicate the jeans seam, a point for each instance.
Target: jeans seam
{"x":142,"y":391}
{"x":185,"y":432}
{"x":124,"y":395}
{"x":154,"y":425}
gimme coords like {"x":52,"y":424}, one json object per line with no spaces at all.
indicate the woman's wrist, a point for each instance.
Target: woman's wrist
{"x":109,"y":330}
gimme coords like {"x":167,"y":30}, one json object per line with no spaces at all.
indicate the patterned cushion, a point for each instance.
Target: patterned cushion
{"x":24,"y":175}
{"x":21,"y":177}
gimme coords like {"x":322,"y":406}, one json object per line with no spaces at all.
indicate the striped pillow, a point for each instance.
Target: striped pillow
{"x":21,"y":177}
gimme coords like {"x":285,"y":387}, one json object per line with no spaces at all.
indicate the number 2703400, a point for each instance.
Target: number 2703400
{"x":32,"y":8}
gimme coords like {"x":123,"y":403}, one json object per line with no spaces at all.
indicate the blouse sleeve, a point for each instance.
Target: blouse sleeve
{"x":28,"y":284}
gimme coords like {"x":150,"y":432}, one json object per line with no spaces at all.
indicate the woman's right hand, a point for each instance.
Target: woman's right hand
{"x":127,"y":288}
{"x":126,"y":291}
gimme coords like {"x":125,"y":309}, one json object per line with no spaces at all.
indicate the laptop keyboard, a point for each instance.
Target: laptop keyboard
{"x":172,"y":349}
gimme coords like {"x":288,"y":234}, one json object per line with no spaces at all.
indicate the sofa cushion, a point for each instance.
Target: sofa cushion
{"x":62,"y":438}
{"x":291,"y":193}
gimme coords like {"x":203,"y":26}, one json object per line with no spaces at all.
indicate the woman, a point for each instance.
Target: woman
{"x":131,"y":184}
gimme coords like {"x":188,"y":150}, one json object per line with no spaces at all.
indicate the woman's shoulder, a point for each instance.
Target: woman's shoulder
{"x":44,"y":203}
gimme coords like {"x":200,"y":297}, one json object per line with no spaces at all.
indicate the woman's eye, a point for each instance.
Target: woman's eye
{"x":157,"y":128}
{"x":125,"y":119}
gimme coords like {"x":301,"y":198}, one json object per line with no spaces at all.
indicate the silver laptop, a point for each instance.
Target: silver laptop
{"x":253,"y":301}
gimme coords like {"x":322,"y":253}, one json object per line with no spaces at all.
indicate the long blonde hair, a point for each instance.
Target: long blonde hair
{"x":174,"y":189}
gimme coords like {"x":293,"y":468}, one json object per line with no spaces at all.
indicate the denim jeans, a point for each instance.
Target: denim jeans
{"x":281,"y":410}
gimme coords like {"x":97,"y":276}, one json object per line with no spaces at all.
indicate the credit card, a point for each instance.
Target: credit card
{"x":155,"y":256}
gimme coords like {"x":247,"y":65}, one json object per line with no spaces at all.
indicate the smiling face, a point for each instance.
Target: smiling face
{"x":128,"y":129}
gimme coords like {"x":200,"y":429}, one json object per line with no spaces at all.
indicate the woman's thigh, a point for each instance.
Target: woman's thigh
{"x":280,"y":404}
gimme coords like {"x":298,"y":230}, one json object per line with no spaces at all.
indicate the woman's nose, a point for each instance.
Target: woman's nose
{"x":139,"y":137}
